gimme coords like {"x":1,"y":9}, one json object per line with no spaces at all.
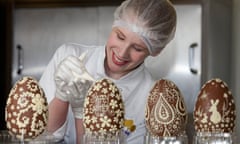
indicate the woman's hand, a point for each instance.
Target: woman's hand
{"x":72,"y":82}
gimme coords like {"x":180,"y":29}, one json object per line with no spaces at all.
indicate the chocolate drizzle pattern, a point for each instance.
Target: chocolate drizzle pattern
{"x":103,"y":109}
{"x":215,"y":108}
{"x":165,"y":110}
{"x":26,"y":110}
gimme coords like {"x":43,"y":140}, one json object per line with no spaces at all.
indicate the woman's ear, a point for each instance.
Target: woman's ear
{"x":156,"y":53}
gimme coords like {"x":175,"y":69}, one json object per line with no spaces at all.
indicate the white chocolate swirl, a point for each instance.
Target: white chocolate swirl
{"x":165,"y":110}
{"x":26,"y":110}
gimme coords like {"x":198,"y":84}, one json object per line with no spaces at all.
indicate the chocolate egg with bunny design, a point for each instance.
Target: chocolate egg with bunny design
{"x":166,"y":113}
{"x":215,"y":108}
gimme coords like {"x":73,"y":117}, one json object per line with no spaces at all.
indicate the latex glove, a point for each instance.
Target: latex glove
{"x":72,"y":82}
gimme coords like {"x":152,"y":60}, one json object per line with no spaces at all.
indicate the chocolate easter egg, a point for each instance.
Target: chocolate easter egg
{"x":165,"y":113}
{"x":215,"y":108}
{"x":103,"y":109}
{"x":26,"y":111}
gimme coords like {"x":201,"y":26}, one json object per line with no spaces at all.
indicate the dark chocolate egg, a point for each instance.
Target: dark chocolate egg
{"x":165,"y":113}
{"x":103,"y":109}
{"x":215,"y":108}
{"x":26,"y":111}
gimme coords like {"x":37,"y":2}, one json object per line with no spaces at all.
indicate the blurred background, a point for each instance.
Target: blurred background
{"x":206,"y":44}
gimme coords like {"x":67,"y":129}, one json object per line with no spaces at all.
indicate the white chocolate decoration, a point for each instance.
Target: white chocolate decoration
{"x":165,"y":113}
{"x":103,"y":109}
{"x":26,"y":111}
{"x":215,"y":108}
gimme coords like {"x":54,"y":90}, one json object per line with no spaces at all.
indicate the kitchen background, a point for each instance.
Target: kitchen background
{"x":205,"y":46}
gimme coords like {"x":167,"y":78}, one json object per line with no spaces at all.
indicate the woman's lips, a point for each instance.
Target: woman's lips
{"x":117,"y":60}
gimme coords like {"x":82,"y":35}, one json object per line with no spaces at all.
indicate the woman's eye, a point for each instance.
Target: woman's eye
{"x":137,"y":49}
{"x":120,"y":37}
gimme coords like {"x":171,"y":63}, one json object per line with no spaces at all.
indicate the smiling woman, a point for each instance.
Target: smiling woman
{"x":195,"y":25}
{"x":125,"y":52}
{"x":121,"y":59}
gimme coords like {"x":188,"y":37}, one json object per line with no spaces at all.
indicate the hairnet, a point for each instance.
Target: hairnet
{"x":153,"y":20}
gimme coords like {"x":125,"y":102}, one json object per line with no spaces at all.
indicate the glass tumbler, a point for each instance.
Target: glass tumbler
{"x":103,"y":139}
{"x":181,"y":139}
{"x":45,"y":138}
{"x":214,"y":138}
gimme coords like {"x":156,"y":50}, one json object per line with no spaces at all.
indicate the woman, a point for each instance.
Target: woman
{"x":141,"y":28}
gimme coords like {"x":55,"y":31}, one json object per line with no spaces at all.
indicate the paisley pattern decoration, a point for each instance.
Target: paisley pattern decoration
{"x":26,"y":111}
{"x":215,"y":108}
{"x":103,"y":109}
{"x":165,"y":110}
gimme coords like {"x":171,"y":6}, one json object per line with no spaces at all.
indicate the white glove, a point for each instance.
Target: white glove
{"x":72,"y":82}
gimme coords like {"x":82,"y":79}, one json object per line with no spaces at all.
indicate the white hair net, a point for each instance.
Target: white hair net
{"x":153,"y":20}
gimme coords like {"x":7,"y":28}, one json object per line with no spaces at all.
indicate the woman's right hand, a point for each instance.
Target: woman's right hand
{"x":72,"y":82}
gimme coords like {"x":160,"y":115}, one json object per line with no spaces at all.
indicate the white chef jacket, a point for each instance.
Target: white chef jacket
{"x":134,"y":87}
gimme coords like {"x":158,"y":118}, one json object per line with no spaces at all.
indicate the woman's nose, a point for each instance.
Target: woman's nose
{"x":124,"y":51}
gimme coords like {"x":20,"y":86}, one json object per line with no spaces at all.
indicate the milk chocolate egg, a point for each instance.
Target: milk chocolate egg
{"x":103,"y":109}
{"x":26,"y":109}
{"x":165,"y":113}
{"x":214,"y":109}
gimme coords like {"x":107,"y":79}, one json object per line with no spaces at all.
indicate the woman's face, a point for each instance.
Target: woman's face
{"x":125,"y":51}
